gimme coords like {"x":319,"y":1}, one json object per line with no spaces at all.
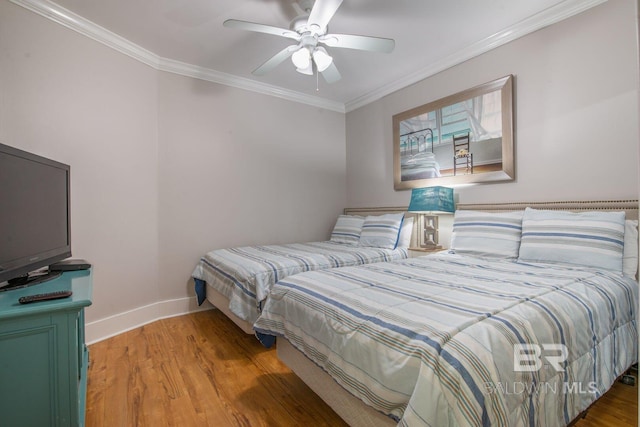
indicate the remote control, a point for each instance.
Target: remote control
{"x":44,"y":297}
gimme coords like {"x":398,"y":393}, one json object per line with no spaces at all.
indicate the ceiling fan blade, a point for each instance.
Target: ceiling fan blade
{"x":331,"y":74}
{"x":275,"y":60}
{"x":350,"y":41}
{"x":322,"y":12}
{"x":261,"y":28}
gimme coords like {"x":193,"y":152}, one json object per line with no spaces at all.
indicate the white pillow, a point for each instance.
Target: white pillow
{"x":630,"y":251}
{"x":381,"y":231}
{"x":347,"y":229}
{"x":404,"y":241}
{"x":591,"y":239}
{"x":487,"y":234}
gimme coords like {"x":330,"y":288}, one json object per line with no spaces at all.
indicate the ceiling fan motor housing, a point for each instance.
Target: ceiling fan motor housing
{"x":300,"y":25}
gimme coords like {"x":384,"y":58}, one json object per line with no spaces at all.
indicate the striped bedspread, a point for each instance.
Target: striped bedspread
{"x":447,"y":340}
{"x":245,"y":275}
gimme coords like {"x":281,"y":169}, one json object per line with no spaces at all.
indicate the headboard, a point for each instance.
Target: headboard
{"x":630,"y":207}
{"x":374,"y":211}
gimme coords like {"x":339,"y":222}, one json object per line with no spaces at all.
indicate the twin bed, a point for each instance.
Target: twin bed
{"x":528,"y":322}
{"x":238,"y":280}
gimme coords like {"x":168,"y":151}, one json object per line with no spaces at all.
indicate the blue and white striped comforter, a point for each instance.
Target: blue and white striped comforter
{"x":245,"y":275}
{"x":430,"y":340}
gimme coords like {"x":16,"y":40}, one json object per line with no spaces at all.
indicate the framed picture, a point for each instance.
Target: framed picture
{"x":463,"y":138}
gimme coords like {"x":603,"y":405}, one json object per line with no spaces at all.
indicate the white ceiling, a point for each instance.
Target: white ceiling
{"x":430,"y":35}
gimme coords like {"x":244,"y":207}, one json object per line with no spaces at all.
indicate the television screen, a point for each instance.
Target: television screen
{"x":34,"y":213}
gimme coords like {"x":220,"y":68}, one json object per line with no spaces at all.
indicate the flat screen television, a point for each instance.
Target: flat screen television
{"x":35,"y":226}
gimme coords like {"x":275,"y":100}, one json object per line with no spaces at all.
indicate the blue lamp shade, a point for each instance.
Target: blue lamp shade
{"x":432,"y":199}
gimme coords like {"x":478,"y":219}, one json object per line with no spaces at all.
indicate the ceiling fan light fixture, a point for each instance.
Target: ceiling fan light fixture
{"x":301,"y":58}
{"x":322,"y":58}
{"x":308,"y":71}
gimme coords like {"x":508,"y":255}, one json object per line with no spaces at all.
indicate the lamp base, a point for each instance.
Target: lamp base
{"x":429,"y":235}
{"x":422,"y":251}
{"x":430,"y":246}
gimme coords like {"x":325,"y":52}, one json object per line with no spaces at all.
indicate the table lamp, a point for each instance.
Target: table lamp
{"x":430,"y":201}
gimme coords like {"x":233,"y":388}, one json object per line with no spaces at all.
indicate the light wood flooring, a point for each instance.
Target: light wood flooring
{"x":202,"y":370}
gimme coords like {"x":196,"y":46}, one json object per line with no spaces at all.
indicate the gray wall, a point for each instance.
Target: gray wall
{"x":239,"y":168}
{"x":576,"y":110}
{"x":69,"y":98}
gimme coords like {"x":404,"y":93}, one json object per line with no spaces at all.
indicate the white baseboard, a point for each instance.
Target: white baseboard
{"x":102,"y":329}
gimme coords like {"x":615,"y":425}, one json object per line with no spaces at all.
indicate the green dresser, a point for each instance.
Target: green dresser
{"x":43,"y":356}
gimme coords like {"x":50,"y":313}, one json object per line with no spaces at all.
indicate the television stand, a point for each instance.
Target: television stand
{"x":44,"y":358}
{"x":30,"y":280}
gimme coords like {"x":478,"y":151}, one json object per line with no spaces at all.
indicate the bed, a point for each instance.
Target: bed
{"x":423,"y":165}
{"x":530,"y":337}
{"x":238,"y":280}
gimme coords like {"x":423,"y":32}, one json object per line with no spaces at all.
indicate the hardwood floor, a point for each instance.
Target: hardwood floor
{"x":196,"y":370}
{"x":201,"y":370}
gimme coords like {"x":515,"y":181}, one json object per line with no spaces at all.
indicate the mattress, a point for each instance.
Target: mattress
{"x":449,"y":340}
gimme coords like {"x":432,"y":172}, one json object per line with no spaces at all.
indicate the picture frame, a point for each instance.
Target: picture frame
{"x":463,"y":138}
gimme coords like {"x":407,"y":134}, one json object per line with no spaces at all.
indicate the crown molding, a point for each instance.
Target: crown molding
{"x":189,"y":70}
{"x":85,"y":27}
{"x":550,"y":16}
{"x":89,"y":29}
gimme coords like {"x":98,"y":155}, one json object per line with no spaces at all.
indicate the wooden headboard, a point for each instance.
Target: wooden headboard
{"x":630,"y":207}
{"x":374,"y":211}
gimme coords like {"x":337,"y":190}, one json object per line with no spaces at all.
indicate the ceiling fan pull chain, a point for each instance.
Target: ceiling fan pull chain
{"x":317,"y":81}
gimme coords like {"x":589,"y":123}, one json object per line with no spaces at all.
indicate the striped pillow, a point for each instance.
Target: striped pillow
{"x":630,"y":251}
{"x":381,"y":231}
{"x":592,"y":239}
{"x":404,"y":240}
{"x":487,"y":234}
{"x":347,"y":229}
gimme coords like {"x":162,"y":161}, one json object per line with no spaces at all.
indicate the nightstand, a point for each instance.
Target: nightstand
{"x":416,"y":252}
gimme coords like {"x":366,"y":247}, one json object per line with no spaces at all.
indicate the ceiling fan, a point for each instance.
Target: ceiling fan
{"x":310,"y":30}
